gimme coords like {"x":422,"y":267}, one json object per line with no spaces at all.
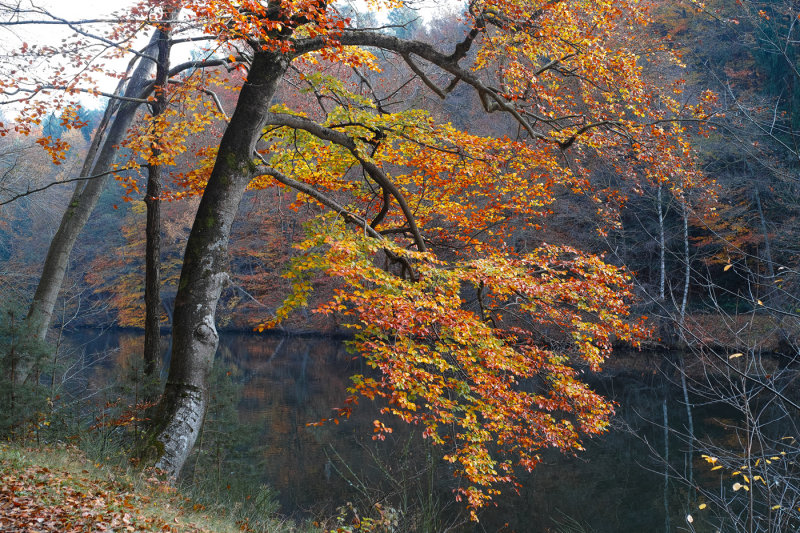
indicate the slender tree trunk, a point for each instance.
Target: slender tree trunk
{"x":84,"y":200}
{"x":152,"y":281}
{"x":152,"y":285}
{"x":687,"y":269}
{"x":666,"y":465}
{"x":194,"y":336}
{"x":662,"y":248}
{"x":767,"y":249}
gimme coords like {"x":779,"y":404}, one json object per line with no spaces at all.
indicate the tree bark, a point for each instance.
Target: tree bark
{"x":194,"y":335}
{"x":84,"y":200}
{"x":152,"y":277}
{"x":152,"y":273}
{"x":687,"y":267}
{"x":662,"y":248}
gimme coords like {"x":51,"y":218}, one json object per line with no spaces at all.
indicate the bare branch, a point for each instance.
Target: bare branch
{"x":427,"y":81}
{"x":62,"y":182}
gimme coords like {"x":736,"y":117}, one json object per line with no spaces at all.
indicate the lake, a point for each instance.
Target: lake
{"x":269,"y":388}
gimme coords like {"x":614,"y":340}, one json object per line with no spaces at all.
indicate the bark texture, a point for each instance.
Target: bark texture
{"x":203,"y":276}
{"x":85,"y":198}
{"x":152,"y":275}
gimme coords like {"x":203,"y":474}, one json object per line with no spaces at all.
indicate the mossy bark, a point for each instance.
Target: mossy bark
{"x":203,"y":275}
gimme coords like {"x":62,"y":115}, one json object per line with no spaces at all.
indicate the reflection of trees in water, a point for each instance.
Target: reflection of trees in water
{"x":612,"y":487}
{"x":289,"y":383}
{"x":284,"y":383}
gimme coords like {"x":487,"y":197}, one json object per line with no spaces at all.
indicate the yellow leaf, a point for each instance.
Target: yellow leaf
{"x":776,"y":507}
{"x":716,"y":467}
{"x":760,"y":302}
{"x":735,"y":355}
{"x":702,"y":506}
{"x":727,"y":267}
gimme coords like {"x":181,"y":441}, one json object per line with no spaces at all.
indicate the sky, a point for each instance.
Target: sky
{"x":12,"y":37}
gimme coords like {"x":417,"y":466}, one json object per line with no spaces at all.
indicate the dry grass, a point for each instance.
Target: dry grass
{"x":59,"y":489}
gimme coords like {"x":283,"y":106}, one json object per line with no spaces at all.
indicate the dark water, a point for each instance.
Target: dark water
{"x":278,"y":385}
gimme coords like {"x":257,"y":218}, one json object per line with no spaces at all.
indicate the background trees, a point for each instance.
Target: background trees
{"x":434,"y":205}
{"x":452,"y":236}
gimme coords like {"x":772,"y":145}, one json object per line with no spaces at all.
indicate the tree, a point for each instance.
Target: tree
{"x":454,"y":316}
{"x":23,"y":87}
{"x":743,"y":342}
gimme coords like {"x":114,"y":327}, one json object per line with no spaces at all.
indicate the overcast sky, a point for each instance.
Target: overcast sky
{"x":12,"y":37}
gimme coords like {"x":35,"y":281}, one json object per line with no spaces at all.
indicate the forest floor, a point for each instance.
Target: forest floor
{"x":60,"y":490}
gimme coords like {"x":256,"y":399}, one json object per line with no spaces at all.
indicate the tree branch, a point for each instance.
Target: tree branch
{"x":306,"y":189}
{"x":327,"y":134}
{"x":62,"y":182}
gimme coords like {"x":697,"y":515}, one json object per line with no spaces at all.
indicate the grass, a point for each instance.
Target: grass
{"x":60,"y":489}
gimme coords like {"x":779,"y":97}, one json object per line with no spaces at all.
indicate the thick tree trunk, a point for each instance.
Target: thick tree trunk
{"x":152,"y":277}
{"x":84,"y":200}
{"x":194,"y":336}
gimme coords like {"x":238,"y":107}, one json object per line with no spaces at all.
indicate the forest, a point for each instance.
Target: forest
{"x":403,"y":266}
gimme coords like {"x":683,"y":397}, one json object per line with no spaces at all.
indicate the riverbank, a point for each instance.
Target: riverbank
{"x":752,"y":331}
{"x":58,"y":489}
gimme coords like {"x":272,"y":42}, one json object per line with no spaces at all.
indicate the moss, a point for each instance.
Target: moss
{"x":231,"y":160}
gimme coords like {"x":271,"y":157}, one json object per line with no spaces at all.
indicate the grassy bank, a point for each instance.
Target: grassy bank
{"x":60,"y":489}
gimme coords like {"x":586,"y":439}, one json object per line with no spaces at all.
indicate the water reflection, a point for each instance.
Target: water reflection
{"x":285,"y":383}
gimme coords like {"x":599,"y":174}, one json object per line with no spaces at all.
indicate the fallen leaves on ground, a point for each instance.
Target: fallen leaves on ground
{"x":40,"y":499}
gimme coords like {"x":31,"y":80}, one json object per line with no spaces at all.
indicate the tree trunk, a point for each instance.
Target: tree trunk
{"x":152,"y":277}
{"x":152,"y":272}
{"x":662,"y":249}
{"x":84,"y":200}
{"x":194,"y":336}
{"x":666,"y":465}
{"x":767,"y":249}
{"x":687,"y":269}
